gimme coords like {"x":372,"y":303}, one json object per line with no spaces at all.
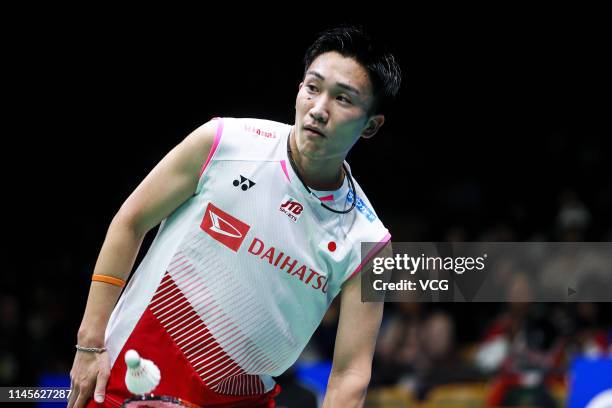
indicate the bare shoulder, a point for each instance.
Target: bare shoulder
{"x":206,"y":131}
{"x":199,"y":142}
{"x":173,"y":180}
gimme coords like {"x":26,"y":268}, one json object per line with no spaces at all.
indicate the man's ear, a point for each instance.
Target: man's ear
{"x":374,"y":123}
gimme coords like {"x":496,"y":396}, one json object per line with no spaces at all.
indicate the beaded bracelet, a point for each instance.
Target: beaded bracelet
{"x":91,"y":349}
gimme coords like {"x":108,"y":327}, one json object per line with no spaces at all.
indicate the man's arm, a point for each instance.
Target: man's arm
{"x":355,"y":343}
{"x":165,"y":188}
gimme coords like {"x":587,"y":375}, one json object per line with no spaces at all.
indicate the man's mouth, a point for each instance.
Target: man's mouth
{"x":314,"y":130}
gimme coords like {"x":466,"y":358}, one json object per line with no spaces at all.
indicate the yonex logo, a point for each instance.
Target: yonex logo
{"x":291,"y":208}
{"x":224,"y":228}
{"x":244,"y":183}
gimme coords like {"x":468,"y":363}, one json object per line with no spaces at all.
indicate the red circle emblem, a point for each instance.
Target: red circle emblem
{"x":331,"y":246}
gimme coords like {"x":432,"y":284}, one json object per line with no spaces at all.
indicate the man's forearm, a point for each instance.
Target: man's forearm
{"x":116,"y":259}
{"x":346,"y":390}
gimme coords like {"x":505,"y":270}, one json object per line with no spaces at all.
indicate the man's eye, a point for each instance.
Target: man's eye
{"x":311,"y":88}
{"x":344,"y":99}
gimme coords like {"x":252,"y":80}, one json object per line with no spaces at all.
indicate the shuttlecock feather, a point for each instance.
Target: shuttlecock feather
{"x":142,"y":375}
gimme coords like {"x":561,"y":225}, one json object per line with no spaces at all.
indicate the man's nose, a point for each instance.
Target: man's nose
{"x":319,"y":110}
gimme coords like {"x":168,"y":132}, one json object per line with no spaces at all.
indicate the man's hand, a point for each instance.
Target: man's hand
{"x":88,"y":376}
{"x":355,"y":343}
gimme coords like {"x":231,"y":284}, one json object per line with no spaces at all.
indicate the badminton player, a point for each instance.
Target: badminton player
{"x":261,"y":226}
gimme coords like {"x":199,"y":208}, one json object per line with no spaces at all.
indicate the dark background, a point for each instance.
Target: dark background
{"x":495,"y":122}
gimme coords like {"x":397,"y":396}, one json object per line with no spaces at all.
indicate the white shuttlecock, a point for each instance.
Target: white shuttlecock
{"x":142,"y":375}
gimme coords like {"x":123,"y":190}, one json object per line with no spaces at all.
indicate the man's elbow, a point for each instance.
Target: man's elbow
{"x":354,"y":379}
{"x":346,"y":389}
{"x":130,"y":221}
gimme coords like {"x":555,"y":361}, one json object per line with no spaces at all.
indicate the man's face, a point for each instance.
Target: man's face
{"x":332,"y":107}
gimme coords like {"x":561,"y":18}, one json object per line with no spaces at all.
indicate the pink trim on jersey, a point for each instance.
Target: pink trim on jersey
{"x":371,"y":254}
{"x":215,"y":144}
{"x":284,"y":166}
{"x":327,"y":198}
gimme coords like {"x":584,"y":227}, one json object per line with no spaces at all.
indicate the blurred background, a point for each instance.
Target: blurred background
{"x":501,"y":133}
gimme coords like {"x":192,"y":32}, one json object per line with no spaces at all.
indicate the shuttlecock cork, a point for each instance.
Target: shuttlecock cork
{"x":142,"y":375}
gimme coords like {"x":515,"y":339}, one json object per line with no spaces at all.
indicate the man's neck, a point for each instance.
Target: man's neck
{"x":324,"y":175}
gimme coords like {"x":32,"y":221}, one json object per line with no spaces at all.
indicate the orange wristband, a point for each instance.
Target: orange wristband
{"x":108,"y":279}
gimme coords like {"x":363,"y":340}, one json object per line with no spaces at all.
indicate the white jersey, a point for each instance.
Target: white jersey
{"x":241,"y":274}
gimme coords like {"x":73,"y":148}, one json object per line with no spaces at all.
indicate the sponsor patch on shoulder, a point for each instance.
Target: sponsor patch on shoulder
{"x":259,"y":131}
{"x":361,"y":206}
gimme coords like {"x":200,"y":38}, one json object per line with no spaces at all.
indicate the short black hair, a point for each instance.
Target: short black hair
{"x":353,"y":42}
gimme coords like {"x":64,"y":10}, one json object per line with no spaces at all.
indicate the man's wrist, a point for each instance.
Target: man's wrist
{"x":90,"y":338}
